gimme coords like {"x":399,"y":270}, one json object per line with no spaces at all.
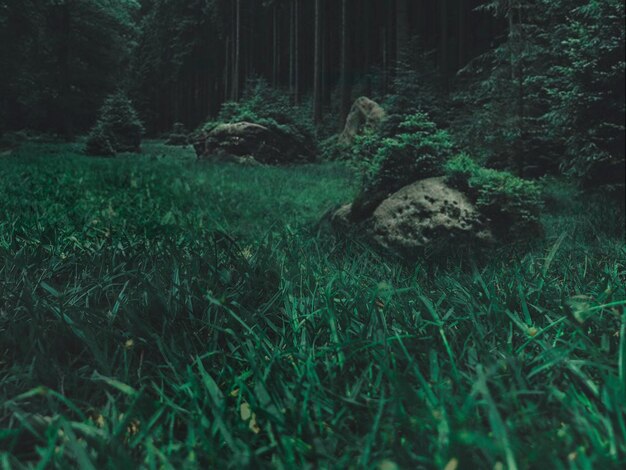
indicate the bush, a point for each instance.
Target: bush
{"x":179,"y":135}
{"x":99,"y":142}
{"x":510,"y":204}
{"x":360,"y":153}
{"x":118,"y":128}
{"x":418,"y":151}
{"x":261,"y":104}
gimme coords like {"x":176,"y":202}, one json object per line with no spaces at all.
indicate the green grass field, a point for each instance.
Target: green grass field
{"x":169,"y":313}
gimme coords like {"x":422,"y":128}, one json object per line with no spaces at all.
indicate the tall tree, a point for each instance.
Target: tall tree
{"x":443,"y":39}
{"x":237,"y":55}
{"x":317,"y":66}
{"x":345,"y":65}
{"x":402,"y":28}
{"x":275,"y":45}
{"x":296,"y":21}
{"x":462,"y":33}
{"x":61,"y":59}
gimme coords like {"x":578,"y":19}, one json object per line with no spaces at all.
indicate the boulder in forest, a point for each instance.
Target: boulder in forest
{"x":425,"y":214}
{"x":242,"y":140}
{"x":364,"y":114}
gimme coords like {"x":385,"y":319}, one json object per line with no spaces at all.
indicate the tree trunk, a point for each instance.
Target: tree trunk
{"x":65,"y":117}
{"x":317,"y":66}
{"x":462,"y":33}
{"x":443,"y":40}
{"x":296,"y":96}
{"x":237,"y":64}
{"x":275,"y":46}
{"x":384,"y":49}
{"x":227,"y":67}
{"x":292,"y":57}
{"x":402,"y":28}
{"x":345,"y":66}
{"x":517,"y":77}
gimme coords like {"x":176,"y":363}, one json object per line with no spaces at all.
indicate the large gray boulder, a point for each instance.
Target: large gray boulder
{"x":425,"y":214}
{"x":364,"y":114}
{"x":246,"y":140}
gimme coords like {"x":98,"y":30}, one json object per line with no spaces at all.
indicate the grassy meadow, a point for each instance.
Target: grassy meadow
{"x":161,"y":312}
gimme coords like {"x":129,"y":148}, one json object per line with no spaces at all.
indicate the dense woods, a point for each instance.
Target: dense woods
{"x":530,"y":84}
{"x":187,"y":57}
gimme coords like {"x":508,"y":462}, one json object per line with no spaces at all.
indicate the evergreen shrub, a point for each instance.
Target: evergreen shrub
{"x":118,"y":128}
{"x":511,"y":205}
{"x":179,"y":135}
{"x":419,"y":150}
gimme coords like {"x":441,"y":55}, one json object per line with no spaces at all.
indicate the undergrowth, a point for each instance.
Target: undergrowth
{"x":162,"y":312}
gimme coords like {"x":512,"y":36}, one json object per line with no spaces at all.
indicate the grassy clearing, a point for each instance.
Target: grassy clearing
{"x":160,"y":311}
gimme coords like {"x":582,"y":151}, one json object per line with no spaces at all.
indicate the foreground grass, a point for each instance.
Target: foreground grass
{"x":162,"y":312}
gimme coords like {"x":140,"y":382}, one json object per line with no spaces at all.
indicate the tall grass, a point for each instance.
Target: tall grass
{"x":159,"y":312}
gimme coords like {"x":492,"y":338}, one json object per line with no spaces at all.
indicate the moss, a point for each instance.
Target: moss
{"x":511,"y":204}
{"x":418,"y":151}
{"x":269,"y":107}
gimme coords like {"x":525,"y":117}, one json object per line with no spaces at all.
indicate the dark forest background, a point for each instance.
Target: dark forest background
{"x":532,"y":85}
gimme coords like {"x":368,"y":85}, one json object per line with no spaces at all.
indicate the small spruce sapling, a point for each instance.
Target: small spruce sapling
{"x":118,"y":128}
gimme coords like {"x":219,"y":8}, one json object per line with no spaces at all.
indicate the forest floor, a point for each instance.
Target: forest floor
{"x":179,"y":314}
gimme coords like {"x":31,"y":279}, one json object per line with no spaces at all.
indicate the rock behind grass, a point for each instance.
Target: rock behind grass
{"x":244,"y":140}
{"x":424,"y":214}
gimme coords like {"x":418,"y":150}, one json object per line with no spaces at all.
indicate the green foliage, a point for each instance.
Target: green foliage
{"x":511,"y":205}
{"x":362,"y":154}
{"x":179,"y":135}
{"x":550,"y":97}
{"x":270,"y":107}
{"x":59,"y":60}
{"x":419,"y":150}
{"x":417,"y":86}
{"x":134,"y":335}
{"x":118,"y":128}
{"x":586,"y":87}
{"x":497,"y":96}
{"x":99,"y":142}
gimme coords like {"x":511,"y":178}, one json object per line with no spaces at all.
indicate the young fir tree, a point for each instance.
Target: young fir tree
{"x":118,"y":128}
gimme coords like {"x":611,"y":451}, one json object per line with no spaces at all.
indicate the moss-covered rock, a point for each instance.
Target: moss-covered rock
{"x":510,"y":205}
{"x":365,"y":114}
{"x":419,"y":151}
{"x":427,"y":214}
{"x":263,"y":125}
{"x":270,"y":145}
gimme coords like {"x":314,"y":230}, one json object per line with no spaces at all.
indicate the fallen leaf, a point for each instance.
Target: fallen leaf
{"x":453,"y":464}
{"x":245,"y":411}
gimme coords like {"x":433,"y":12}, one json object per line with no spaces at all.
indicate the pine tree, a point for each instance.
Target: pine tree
{"x":118,"y":128}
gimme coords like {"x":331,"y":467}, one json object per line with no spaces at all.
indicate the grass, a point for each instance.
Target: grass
{"x":161,"y":312}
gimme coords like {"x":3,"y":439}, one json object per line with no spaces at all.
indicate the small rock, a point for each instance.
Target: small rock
{"x":364,"y":114}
